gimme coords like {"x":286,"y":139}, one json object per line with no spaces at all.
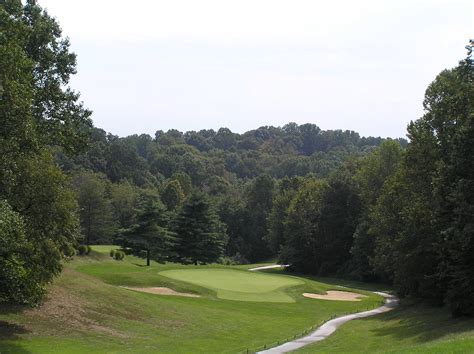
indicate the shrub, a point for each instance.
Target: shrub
{"x":69,"y":251}
{"x":112,"y":253}
{"x":82,"y":250}
{"x":119,"y":255}
{"x":89,"y":249}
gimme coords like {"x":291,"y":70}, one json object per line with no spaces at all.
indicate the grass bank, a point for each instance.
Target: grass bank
{"x":412,"y":328}
{"x":86,"y":310}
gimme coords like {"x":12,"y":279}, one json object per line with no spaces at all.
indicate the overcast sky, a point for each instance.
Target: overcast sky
{"x":145,"y":65}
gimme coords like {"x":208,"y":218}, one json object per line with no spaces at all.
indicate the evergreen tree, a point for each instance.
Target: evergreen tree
{"x":200,"y":235}
{"x":150,"y":234}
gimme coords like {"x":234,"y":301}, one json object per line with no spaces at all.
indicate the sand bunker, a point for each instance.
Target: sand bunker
{"x":336,"y":295}
{"x":161,"y":291}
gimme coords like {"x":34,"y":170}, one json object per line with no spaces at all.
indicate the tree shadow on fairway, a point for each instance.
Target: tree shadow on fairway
{"x":9,"y":347}
{"x":140,"y":265}
{"x":420,"y":322}
{"x":9,"y":332}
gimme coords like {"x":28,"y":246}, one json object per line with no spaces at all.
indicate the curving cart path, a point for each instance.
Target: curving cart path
{"x":328,"y":328}
{"x":270,"y":267}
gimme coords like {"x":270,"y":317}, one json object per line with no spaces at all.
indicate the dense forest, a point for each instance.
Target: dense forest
{"x":326,"y":202}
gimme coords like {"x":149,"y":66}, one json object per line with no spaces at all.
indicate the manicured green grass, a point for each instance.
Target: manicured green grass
{"x":238,"y":285}
{"x":413,"y":328}
{"x":87,"y":311}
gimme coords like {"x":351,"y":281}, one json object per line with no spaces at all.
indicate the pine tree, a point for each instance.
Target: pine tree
{"x":150,"y":234}
{"x":201,"y":236}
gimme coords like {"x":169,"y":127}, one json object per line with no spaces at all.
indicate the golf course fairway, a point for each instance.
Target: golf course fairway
{"x":238,"y":285}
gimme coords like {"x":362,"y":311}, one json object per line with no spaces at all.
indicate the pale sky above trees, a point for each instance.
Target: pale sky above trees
{"x":145,"y":65}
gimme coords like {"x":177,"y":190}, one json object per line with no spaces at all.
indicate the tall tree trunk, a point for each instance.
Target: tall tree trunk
{"x":148,"y":258}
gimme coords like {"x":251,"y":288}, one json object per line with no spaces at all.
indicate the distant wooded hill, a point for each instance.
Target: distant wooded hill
{"x":211,"y":157}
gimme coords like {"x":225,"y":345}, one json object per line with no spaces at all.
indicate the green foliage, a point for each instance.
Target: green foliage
{"x":112,"y":253}
{"x":60,"y":118}
{"x":119,"y":255}
{"x":449,"y":104}
{"x":69,"y":251}
{"x":279,"y":213}
{"x":406,"y":216}
{"x":371,"y":177}
{"x":200,"y":235}
{"x":151,"y":232}
{"x":82,"y":250}
{"x":259,"y":203}
{"x":97,"y":222}
{"x":18,"y":281}
{"x":37,"y":109}
{"x":423,"y":217}
{"x":319,"y":226}
{"x":123,"y":200}
{"x":185,"y":182}
{"x":172,"y":195}
{"x":42,"y":195}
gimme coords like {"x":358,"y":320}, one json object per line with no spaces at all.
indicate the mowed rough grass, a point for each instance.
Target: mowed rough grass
{"x":86,"y":310}
{"x":238,"y":285}
{"x":412,"y":328}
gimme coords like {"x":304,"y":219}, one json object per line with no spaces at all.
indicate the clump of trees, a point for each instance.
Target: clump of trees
{"x":38,"y":113}
{"x":405,"y":216}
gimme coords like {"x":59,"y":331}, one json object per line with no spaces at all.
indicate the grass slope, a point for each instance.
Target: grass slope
{"x":87,"y":311}
{"x":238,"y":285}
{"x":413,"y":328}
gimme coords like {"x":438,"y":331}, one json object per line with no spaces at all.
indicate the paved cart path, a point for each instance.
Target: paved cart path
{"x":328,"y":328}
{"x":270,"y":267}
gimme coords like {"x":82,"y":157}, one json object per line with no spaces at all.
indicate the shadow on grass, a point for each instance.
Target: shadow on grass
{"x":141,"y":265}
{"x":420,"y":322}
{"x":9,"y":347}
{"x":9,"y":332}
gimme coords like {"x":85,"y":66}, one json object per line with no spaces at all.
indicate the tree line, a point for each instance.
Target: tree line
{"x":404,"y":216}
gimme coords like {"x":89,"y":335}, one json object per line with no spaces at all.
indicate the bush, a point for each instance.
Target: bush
{"x":119,"y":255}
{"x":82,"y":250}
{"x":112,"y":253}
{"x":69,"y":251}
{"x":89,"y":249}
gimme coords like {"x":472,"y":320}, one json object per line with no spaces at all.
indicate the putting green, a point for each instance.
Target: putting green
{"x":238,"y":285}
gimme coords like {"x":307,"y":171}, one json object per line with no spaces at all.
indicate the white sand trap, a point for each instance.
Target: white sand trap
{"x":336,"y":295}
{"x":161,"y":291}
